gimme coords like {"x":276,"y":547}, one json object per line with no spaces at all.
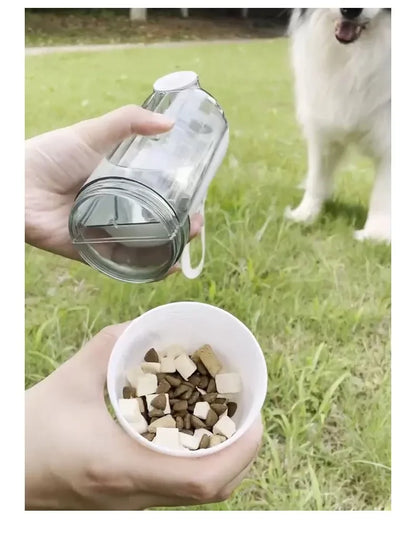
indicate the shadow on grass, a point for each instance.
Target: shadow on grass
{"x":352,"y":213}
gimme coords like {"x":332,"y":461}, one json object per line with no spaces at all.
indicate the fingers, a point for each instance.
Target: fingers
{"x":197,"y":221}
{"x":103,"y":133}
{"x":199,"y":480}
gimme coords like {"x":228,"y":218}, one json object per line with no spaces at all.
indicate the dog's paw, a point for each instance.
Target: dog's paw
{"x":305,"y":212}
{"x":380,"y":235}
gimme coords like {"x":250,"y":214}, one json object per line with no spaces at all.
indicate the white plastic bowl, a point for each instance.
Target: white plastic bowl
{"x":191,"y":325}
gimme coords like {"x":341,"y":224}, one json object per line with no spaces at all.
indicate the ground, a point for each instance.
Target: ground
{"x":318,"y":301}
{"x":113,"y":26}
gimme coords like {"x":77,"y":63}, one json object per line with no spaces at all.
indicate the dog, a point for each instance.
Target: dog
{"x":342,"y":66}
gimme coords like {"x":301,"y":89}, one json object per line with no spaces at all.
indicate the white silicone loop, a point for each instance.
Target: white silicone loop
{"x":187,"y":269}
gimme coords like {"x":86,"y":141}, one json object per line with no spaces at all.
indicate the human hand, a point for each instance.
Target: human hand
{"x":59,"y":162}
{"x":79,"y":458}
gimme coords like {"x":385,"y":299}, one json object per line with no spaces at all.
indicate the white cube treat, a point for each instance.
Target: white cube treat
{"x":146,"y":384}
{"x":228,"y":383}
{"x":189,"y":441}
{"x":149,"y":399}
{"x":201,"y":409}
{"x":199,"y":433}
{"x":167,"y":365}
{"x":148,"y":367}
{"x":224,"y":426}
{"x":133,"y":375}
{"x":130,"y":409}
{"x":173,"y":351}
{"x":185,"y":366}
{"x":139,"y":426}
{"x":168,"y":438}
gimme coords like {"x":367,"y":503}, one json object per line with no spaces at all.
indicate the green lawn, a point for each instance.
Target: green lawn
{"x":318,"y":301}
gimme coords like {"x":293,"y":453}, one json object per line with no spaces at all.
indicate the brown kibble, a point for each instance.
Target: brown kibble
{"x":156,"y":413}
{"x":129,"y":392}
{"x":180,"y":405}
{"x":210,"y":397}
{"x":211,"y":419}
{"x":204,"y":442}
{"x":195,"y":379}
{"x":201,"y":367}
{"x":211,"y":386}
{"x":152,"y":356}
{"x":163,"y":387}
{"x":203,"y":383}
{"x":191,"y":407}
{"x":174,"y":400}
{"x":209,"y":359}
{"x":149,"y":436}
{"x":219,"y":408}
{"x":173,"y":380}
{"x":221,"y":400}
{"x":179,"y":422}
{"x":197,"y":423}
{"x":185,"y":431}
{"x":159,"y":402}
{"x":194,"y":397}
{"x":187,"y":421}
{"x":180,"y":390}
{"x":232,"y":408}
{"x":186,"y":395}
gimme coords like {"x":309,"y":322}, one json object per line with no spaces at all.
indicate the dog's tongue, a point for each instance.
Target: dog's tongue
{"x":347,"y":31}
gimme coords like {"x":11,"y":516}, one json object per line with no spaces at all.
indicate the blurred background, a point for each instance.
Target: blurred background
{"x":90,"y":25}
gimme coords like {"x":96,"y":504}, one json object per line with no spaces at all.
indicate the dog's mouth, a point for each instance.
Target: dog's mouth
{"x":347,"y":31}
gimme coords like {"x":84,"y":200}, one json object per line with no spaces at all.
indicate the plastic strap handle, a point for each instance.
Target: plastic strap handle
{"x":187,"y":269}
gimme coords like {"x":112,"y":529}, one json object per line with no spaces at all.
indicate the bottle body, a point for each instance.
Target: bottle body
{"x":131,"y":219}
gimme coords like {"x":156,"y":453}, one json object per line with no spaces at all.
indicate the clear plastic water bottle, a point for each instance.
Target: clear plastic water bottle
{"x":131,"y":219}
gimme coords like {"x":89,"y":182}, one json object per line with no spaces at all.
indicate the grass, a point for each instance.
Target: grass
{"x":318,"y":301}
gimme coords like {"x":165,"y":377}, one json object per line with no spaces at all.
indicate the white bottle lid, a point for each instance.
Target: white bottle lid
{"x":176,"y":81}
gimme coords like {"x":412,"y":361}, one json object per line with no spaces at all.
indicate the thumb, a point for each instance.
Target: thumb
{"x":104,"y":132}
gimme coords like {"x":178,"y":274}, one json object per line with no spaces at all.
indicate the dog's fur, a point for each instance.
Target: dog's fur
{"x":343,"y":95}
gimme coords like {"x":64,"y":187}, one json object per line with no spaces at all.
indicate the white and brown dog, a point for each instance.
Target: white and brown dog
{"x":342,"y":64}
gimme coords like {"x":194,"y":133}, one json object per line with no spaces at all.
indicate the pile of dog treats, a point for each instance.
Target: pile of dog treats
{"x":179,"y":401}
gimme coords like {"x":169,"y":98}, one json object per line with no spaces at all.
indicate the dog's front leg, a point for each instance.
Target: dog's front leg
{"x":377,"y":226}
{"x":323,"y":158}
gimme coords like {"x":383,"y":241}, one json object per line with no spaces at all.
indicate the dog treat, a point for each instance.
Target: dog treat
{"x":150,"y":367}
{"x":231,"y":408}
{"x":209,"y":359}
{"x":152,"y":356}
{"x":168,"y":438}
{"x":158,"y":401}
{"x":201,"y":410}
{"x":133,"y":375}
{"x":211,"y":418}
{"x":216,"y":439}
{"x":173,"y":380}
{"x":173,"y":351}
{"x":166,"y":422}
{"x":130,"y":409}
{"x":140,"y":426}
{"x":163,"y":387}
{"x":228,"y":383}
{"x":146,"y":384}
{"x":129,"y":392}
{"x":181,"y":401}
{"x":189,"y":441}
{"x":167,"y":365}
{"x":204,"y":442}
{"x":224,"y":426}
{"x":185,"y":366}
